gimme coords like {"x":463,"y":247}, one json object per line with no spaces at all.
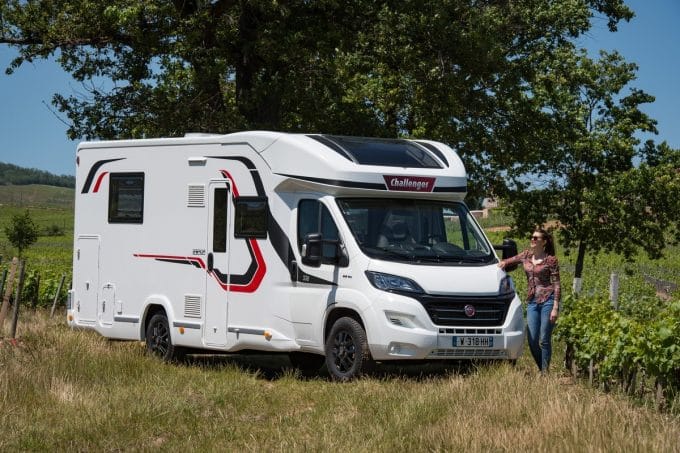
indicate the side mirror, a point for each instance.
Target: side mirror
{"x":312,"y":250}
{"x":509,"y":249}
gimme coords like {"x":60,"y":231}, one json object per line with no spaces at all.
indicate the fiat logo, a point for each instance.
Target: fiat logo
{"x":470,"y":311}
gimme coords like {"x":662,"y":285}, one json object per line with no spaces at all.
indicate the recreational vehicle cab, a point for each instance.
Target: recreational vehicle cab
{"x":339,"y":249}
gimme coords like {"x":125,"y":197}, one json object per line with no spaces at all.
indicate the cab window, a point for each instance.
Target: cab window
{"x":314,"y":217}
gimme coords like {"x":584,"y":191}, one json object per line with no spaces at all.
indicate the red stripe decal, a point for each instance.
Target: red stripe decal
{"x":200,"y":262}
{"x":259,"y":274}
{"x":252,"y":286}
{"x":99,"y":181}
{"x":227,"y":175}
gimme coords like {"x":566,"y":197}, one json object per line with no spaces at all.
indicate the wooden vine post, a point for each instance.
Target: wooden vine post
{"x":56,"y":296}
{"x":2,"y":283}
{"x":8,"y":292}
{"x":17,"y":300}
{"x":36,"y":296}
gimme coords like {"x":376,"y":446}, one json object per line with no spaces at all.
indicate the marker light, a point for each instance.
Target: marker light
{"x":267,"y":335}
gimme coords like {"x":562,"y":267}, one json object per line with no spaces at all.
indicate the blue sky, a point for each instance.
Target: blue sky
{"x":33,"y":136}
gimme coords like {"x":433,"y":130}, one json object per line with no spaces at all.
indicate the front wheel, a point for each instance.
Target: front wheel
{"x":347,"y":353}
{"x":158,"y":341}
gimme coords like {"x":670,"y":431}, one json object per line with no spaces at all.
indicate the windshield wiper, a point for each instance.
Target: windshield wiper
{"x":393,"y":252}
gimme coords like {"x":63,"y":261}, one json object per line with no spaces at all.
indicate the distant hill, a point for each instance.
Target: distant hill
{"x":18,"y":176}
{"x":37,"y":195}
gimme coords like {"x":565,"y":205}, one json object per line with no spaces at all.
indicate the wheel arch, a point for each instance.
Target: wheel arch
{"x":154,"y":305}
{"x":337,"y":313}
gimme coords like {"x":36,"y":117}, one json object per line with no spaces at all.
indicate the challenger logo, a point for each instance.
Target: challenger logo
{"x":409,"y":183}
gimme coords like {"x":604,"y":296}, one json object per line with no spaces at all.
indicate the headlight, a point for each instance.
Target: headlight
{"x":507,"y":287}
{"x":388,"y":282}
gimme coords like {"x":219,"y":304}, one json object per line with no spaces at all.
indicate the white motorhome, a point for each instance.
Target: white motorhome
{"x":353,"y":249}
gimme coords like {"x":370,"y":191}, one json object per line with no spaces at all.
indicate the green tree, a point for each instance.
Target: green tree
{"x":586,"y":177}
{"x":461,"y":71}
{"x":21,"y":232}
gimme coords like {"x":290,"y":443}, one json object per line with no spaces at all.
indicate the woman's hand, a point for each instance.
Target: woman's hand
{"x":501,"y":264}
{"x":553,"y":315}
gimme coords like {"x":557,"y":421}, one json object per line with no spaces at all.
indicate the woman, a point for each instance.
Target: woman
{"x":543,"y":298}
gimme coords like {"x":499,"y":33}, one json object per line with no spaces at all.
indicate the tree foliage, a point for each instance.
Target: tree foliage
{"x":21,"y":232}
{"x":499,"y":80}
{"x":12,"y":174}
{"x":585,"y":177}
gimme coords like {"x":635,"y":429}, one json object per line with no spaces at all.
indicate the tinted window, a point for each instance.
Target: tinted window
{"x":313,"y":217}
{"x":251,"y":216}
{"x":385,"y":152}
{"x":220,"y":220}
{"x":126,"y":198}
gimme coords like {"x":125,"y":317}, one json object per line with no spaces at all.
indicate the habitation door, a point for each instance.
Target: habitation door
{"x":217,"y":284}
{"x":86,"y":278}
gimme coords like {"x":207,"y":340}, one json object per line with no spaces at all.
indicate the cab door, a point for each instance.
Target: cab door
{"x":315,"y":286}
{"x":217,"y":284}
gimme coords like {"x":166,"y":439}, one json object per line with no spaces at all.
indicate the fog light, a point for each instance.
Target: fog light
{"x":401,"y":349}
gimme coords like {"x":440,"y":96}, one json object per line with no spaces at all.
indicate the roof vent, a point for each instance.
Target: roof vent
{"x":199,"y":135}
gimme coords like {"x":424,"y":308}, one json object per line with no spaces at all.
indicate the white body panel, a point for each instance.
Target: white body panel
{"x":259,"y":294}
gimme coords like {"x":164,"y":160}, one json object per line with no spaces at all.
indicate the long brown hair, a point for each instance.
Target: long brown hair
{"x":549,"y":242}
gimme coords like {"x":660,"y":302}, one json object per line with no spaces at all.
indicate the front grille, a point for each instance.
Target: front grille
{"x":450,"y":310}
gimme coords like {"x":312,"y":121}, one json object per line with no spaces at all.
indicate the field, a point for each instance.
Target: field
{"x":66,"y":390}
{"x":73,"y":390}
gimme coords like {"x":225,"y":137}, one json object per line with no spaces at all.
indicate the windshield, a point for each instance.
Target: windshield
{"x":416,"y":230}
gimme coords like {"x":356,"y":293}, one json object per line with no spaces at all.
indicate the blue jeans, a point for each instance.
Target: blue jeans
{"x":540,"y":330}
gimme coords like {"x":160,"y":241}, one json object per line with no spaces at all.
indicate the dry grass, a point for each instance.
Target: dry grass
{"x":69,"y":390}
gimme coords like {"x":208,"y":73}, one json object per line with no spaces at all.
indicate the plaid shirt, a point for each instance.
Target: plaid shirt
{"x":543,"y":278}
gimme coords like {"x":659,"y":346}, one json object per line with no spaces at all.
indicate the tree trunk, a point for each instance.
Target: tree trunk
{"x":578,"y":272}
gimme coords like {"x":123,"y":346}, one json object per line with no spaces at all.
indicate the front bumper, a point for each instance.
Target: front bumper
{"x":403,"y":330}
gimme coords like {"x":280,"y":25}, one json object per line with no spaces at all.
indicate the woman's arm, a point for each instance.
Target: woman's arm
{"x":513,"y":259}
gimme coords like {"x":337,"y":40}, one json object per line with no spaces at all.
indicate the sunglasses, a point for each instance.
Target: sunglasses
{"x":536,"y":238}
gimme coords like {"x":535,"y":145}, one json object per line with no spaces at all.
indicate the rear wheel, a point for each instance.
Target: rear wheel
{"x":158,"y":341}
{"x":347,"y":353}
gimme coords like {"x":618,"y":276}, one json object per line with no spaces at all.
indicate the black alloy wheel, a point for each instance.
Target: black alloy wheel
{"x":347,"y":353}
{"x":158,"y":340}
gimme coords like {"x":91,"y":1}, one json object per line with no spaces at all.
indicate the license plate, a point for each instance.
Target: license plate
{"x":473,"y":342}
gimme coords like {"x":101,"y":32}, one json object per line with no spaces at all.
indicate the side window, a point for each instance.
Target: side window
{"x":313,"y":217}
{"x":220,"y":200}
{"x":126,"y":198}
{"x":251,"y":217}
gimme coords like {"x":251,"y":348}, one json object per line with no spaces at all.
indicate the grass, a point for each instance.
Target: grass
{"x":74,"y":390}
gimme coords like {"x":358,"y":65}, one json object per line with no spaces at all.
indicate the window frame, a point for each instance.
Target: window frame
{"x":114,"y":191}
{"x":239,"y":202}
{"x":336,"y":260}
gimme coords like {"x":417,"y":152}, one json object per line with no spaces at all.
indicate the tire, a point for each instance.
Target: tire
{"x":308,"y":363}
{"x":158,"y":341}
{"x":347,"y":353}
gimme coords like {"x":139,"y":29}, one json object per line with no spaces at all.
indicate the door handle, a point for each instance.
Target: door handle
{"x":210,"y":262}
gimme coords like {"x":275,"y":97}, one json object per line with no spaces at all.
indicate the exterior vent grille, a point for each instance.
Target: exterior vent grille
{"x":192,"y":306}
{"x":196,"y":196}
